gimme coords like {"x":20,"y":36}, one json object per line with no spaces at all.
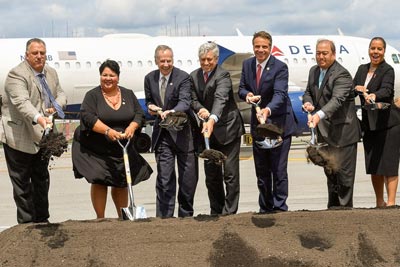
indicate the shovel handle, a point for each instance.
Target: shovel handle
{"x":206,"y":137}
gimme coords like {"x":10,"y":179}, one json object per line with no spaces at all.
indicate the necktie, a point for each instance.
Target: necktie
{"x":50,"y":96}
{"x":258,"y":75}
{"x":162,"y":88}
{"x":321,"y":78}
{"x":205,"y":76}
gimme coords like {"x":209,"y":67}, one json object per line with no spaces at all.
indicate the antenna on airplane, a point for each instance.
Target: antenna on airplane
{"x":340,"y":32}
{"x":239,"y":33}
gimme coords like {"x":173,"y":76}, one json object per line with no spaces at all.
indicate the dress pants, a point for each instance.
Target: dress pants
{"x":166,"y":151}
{"x":228,"y":173}
{"x":31,"y":180}
{"x":341,"y":183}
{"x":272,"y":176}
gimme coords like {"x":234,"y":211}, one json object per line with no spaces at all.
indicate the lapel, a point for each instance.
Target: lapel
{"x":206,"y":85}
{"x":169,"y":88}
{"x":156,"y":88}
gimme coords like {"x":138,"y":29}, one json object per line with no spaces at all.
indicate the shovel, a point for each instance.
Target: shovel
{"x":211,"y":154}
{"x":132,"y":212}
{"x":264,"y":129}
{"x":374,"y":105}
{"x":317,"y":155}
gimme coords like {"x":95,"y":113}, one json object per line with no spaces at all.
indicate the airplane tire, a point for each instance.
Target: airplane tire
{"x":142,"y":143}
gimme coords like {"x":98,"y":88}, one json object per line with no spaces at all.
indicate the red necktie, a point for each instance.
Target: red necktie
{"x":205,"y":76}
{"x":258,"y":75}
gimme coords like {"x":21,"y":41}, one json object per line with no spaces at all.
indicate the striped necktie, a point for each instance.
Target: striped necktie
{"x":50,"y":96}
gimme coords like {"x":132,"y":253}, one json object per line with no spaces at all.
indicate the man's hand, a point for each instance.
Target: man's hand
{"x":314,"y":120}
{"x":208,"y":127}
{"x":308,"y":107}
{"x":251,"y":98}
{"x":203,"y":114}
{"x":153,"y":109}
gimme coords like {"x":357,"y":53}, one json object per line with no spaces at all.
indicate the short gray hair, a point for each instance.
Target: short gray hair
{"x":209,"y":46}
{"x":162,"y":48}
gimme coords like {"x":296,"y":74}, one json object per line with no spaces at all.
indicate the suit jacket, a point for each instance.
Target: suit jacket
{"x":382,"y":85}
{"x":177,"y":97}
{"x":335,"y":98}
{"x":273,"y":90}
{"x":22,"y":100}
{"x":217,"y":97}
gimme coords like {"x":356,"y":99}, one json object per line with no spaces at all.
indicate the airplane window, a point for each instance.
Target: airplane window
{"x":189,"y":62}
{"x":140,"y":63}
{"x":179,"y":63}
{"x":313,"y":60}
{"x":77,"y":65}
{"x":120,"y":64}
{"x":129,"y":63}
{"x":304,"y":60}
{"x":340,"y":59}
{"x":295,"y":61}
{"x":149,"y":63}
{"x":98,"y":63}
{"x":395,"y":59}
{"x":57,"y":65}
{"x":67,"y":65}
{"x":88,"y":65}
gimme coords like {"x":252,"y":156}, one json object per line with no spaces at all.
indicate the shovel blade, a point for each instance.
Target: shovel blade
{"x":133,"y":213}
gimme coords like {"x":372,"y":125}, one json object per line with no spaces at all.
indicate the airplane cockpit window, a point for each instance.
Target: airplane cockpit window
{"x":129,"y":64}
{"x":57,"y":65}
{"x":149,"y":63}
{"x":395,"y":59}
{"x":77,"y":65}
{"x":67,"y":65}
{"x":88,"y":65}
{"x":140,"y":63}
{"x":179,"y":63}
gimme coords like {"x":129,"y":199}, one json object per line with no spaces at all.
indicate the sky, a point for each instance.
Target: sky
{"x":95,"y":18}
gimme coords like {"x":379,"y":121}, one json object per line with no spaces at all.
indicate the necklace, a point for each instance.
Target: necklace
{"x":114,"y":100}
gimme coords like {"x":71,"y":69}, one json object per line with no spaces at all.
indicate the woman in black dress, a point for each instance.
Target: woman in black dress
{"x":108,"y":113}
{"x":381,"y":139}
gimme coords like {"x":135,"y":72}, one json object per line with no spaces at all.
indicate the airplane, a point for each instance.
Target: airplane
{"x":77,"y":61}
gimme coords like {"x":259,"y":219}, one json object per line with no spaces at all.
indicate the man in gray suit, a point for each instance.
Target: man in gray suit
{"x":213,"y":102}
{"x":168,"y":89}
{"x":330,"y":96}
{"x":25,"y":109}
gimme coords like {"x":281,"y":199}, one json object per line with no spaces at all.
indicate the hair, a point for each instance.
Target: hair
{"x":262,"y":34}
{"x":111,"y":64}
{"x":207,"y":47}
{"x":331,"y":43}
{"x":377,"y":38}
{"x":162,"y":48}
{"x":34,"y":40}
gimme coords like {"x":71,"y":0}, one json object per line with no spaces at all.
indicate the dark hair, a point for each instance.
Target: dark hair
{"x":34,"y":40}
{"x":111,"y":64}
{"x":262,"y":34}
{"x":378,"y":39}
{"x":330,"y":42}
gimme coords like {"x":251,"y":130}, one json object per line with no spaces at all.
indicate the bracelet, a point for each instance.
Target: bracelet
{"x":106,"y":132}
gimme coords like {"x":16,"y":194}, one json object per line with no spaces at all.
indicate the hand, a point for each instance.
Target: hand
{"x":265,"y":113}
{"x":153,"y":109}
{"x":164,"y":114}
{"x":45,"y":122}
{"x":369,"y":98}
{"x":203,"y":113}
{"x":250,"y":98}
{"x":115,"y":135}
{"x":308,"y":107}
{"x":208,"y":127}
{"x":129,"y":131}
{"x":313,"y":120}
{"x":361,"y":88}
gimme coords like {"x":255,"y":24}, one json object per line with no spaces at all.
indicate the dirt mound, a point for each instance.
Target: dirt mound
{"x":357,"y":237}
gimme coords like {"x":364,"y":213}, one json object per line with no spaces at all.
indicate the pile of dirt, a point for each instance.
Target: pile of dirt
{"x":355,"y":237}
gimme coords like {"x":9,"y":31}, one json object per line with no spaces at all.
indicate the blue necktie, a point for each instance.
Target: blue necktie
{"x":45,"y":86}
{"x":321,"y":78}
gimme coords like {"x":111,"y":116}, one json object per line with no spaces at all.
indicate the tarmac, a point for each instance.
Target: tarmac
{"x":70,"y":198}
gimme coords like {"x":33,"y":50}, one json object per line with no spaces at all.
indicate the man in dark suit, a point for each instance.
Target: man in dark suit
{"x":330,"y":96}
{"x":26,"y":105}
{"x":174,"y":85}
{"x":213,"y":102}
{"x":271,"y":89}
